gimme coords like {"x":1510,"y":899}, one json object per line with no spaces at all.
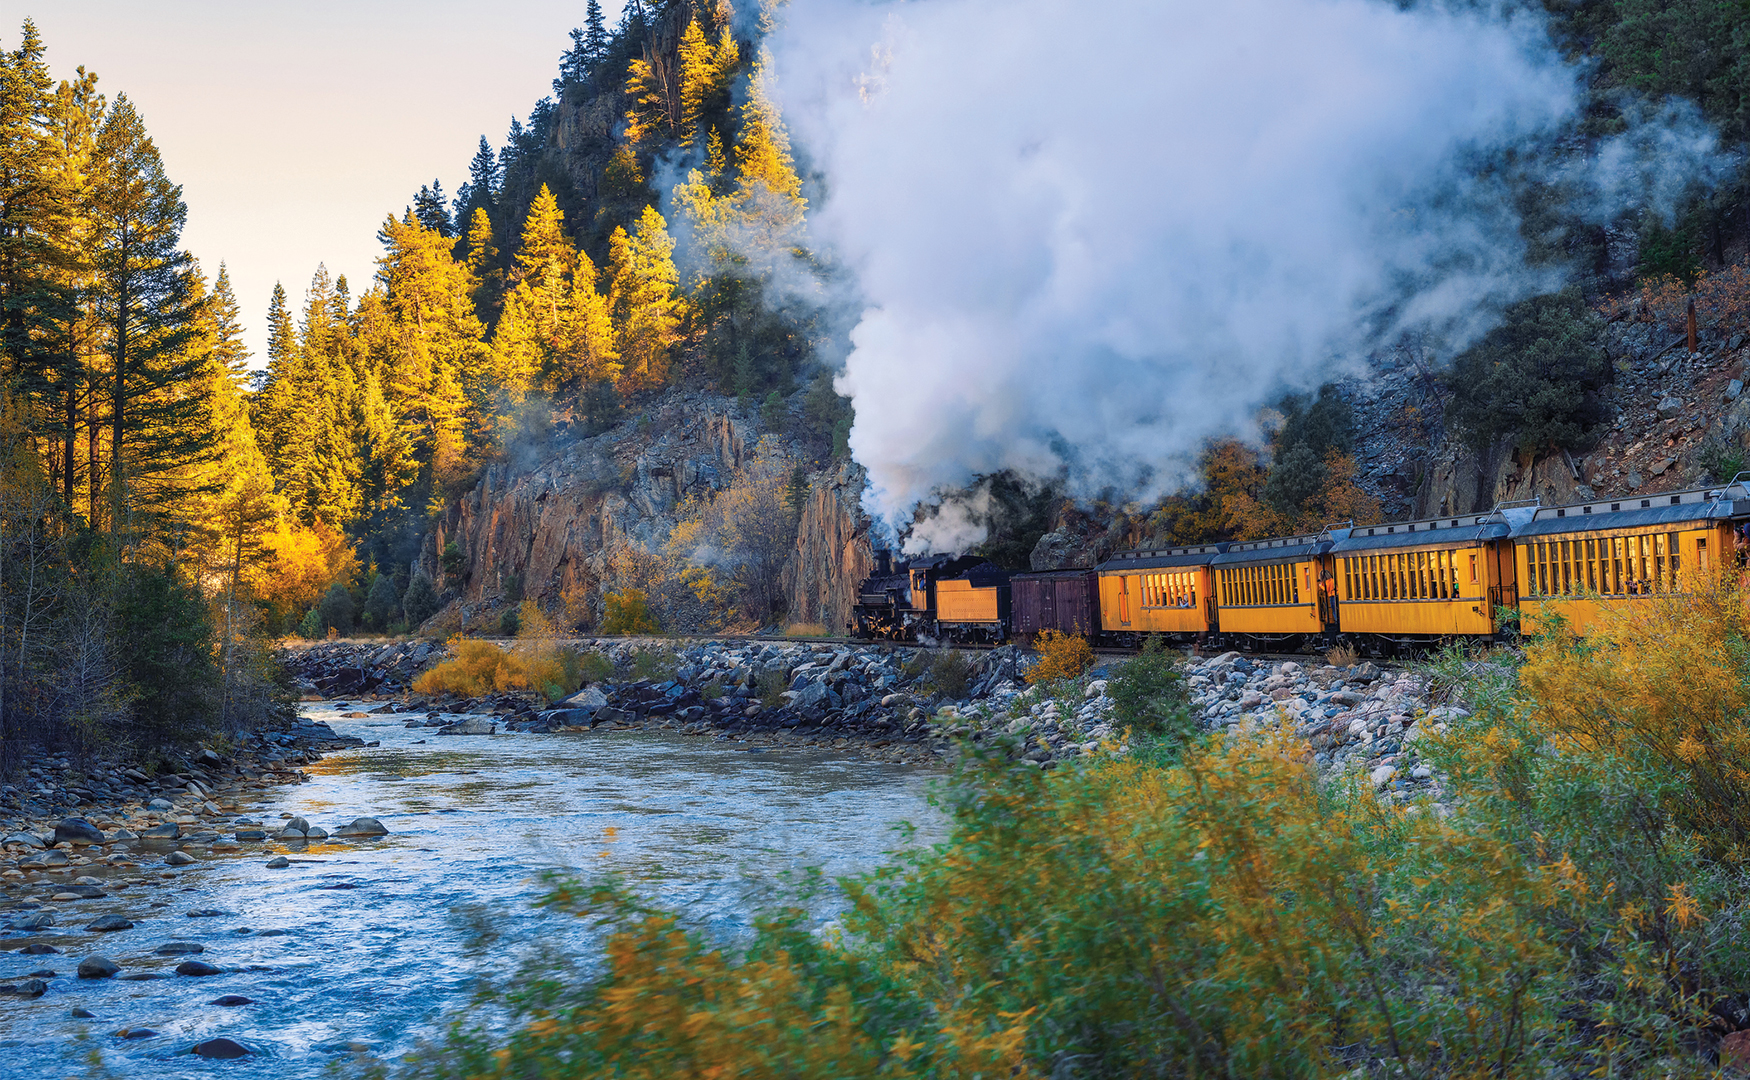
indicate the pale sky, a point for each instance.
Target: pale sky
{"x":294,"y":127}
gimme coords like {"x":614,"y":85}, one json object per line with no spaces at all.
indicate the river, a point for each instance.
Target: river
{"x":369,"y":947}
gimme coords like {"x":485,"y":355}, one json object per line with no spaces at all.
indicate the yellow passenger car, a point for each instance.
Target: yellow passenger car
{"x":1414,"y":581}
{"x":1275,"y":589}
{"x":1170,"y":591}
{"x":1576,"y":561}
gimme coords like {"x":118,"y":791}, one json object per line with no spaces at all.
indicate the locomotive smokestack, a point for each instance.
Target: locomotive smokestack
{"x":883,"y":562}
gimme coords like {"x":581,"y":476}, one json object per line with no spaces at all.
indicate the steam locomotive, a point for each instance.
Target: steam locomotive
{"x":1380,"y":589}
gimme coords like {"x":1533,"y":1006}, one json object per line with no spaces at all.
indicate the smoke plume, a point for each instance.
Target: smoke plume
{"x":1087,"y":238}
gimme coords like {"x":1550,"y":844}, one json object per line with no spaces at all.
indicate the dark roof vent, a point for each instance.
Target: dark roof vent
{"x":1646,"y":503}
{"x":1369,"y":532}
{"x":1616,"y":506}
{"x":1675,"y":499}
{"x":1585,"y":509}
{"x":1561,"y":513}
{"x":1391,"y":528}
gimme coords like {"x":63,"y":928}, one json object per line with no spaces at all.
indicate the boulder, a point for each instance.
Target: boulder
{"x":364,"y":826}
{"x":278,"y":862}
{"x":40,"y":920}
{"x":474,"y":725}
{"x":29,"y":840}
{"x":110,"y":922}
{"x":178,"y":858}
{"x":219,"y":1049}
{"x":171,"y":831}
{"x":298,"y":824}
{"x":589,"y":699}
{"x":180,"y":948}
{"x":98,"y":967}
{"x":1670,"y":406}
{"x":77,"y":831}
{"x":197,"y":969}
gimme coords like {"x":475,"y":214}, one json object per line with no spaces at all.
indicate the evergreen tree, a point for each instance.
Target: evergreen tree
{"x":595,"y":34}
{"x":481,"y":256}
{"x":146,"y":306}
{"x":228,"y":347}
{"x":770,"y":192}
{"x":432,"y":210}
{"x":643,"y":300}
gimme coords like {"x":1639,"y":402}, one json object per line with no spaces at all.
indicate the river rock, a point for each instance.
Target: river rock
{"x":98,"y":967}
{"x":33,"y":988}
{"x":180,"y":948}
{"x":160,"y":804}
{"x":110,"y":922}
{"x":136,"y":1033}
{"x":364,"y":826}
{"x":290,"y":834}
{"x":168,"y":831}
{"x":77,"y":831}
{"x":38,"y":949}
{"x":278,"y":862}
{"x":251,"y":834}
{"x":41,"y":920}
{"x":297,"y":824}
{"x":197,"y":969}
{"x":80,"y":891}
{"x":316,"y":832}
{"x":474,"y":725}
{"x":221,"y":1049}
{"x":83,"y":1014}
{"x":29,"y":840}
{"x":231,"y":1001}
{"x":178,"y":858}
{"x":588,"y":700}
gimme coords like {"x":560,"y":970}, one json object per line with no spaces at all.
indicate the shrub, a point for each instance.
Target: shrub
{"x":628,"y":612}
{"x":770,"y":685}
{"x":507,"y":622}
{"x":453,"y":561}
{"x":1148,"y":694}
{"x":535,"y":663}
{"x":657,"y":664}
{"x":1061,"y":656}
{"x":164,"y":639}
{"x":421,"y":601}
{"x":310,"y":626}
{"x":593,"y":667}
{"x":335,"y":609}
{"x":950,"y":672}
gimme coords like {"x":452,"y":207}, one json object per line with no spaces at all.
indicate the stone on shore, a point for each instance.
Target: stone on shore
{"x":474,"y":725}
{"x":77,"y":831}
{"x":178,"y":858}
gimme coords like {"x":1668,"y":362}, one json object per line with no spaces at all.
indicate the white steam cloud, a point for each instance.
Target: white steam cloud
{"x":1089,"y":237}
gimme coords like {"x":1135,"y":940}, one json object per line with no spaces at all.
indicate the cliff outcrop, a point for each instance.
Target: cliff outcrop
{"x":833,"y":552}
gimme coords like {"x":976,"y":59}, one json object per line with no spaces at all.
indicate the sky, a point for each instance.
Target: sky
{"x":295,"y":127}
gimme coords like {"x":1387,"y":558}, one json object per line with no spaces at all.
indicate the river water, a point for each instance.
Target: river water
{"x":368,"y":948}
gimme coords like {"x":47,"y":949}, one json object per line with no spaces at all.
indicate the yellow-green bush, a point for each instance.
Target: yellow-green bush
{"x":628,"y":612}
{"x":1061,"y":656}
{"x":535,"y":662}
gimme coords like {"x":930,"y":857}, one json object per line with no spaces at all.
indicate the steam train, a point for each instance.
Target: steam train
{"x":1380,"y":589}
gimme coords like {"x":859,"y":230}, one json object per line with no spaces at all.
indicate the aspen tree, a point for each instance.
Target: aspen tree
{"x":643,"y":300}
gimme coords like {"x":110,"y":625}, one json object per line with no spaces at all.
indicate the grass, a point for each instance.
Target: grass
{"x":806,"y":630}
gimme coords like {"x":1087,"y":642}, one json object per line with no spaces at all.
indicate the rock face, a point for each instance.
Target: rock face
{"x":833,"y":553}
{"x":554,"y":523}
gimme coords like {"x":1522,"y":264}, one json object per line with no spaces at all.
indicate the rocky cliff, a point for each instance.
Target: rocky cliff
{"x":558,"y":525}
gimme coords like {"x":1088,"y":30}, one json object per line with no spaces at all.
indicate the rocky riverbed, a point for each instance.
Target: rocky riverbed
{"x":908,"y":704}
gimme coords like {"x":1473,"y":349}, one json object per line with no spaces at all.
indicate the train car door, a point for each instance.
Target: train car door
{"x":1124,"y":600}
{"x":1503,"y":575}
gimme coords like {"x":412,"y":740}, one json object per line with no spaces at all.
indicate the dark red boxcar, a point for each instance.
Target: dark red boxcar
{"x":1062,"y":600}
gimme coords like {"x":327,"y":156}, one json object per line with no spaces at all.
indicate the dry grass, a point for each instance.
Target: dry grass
{"x":805,"y":629}
{"x":1342,"y":656}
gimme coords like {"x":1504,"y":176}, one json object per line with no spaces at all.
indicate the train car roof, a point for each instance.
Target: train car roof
{"x":1670,"y":508}
{"x":1192,"y":555}
{"x":1432,"y":533}
{"x":1052,"y":575}
{"x":985,"y":573}
{"x":1279,"y":549}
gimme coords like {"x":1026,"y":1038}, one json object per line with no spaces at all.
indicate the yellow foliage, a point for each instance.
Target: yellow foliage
{"x":301,"y":563}
{"x":628,"y":612}
{"x":1659,"y":684}
{"x":1061,"y":656}
{"x":535,"y":662}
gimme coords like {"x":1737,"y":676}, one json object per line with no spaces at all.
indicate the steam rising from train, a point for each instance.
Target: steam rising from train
{"x":1089,"y":237}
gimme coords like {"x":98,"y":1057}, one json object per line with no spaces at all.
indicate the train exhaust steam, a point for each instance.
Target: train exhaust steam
{"x":1086,"y":239}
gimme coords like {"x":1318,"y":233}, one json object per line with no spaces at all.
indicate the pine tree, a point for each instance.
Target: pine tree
{"x":532,"y":335}
{"x":228,"y":347}
{"x":146,"y":304}
{"x":595,"y":34}
{"x":643,"y":300}
{"x":432,"y":210}
{"x":481,"y":255}
{"x":770,"y":192}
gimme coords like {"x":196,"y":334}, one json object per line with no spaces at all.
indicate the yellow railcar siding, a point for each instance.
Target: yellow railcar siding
{"x":1167,"y":601}
{"x":961,"y":602}
{"x":1438,"y":593}
{"x":1578,"y":578}
{"x":1270,"y":598}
